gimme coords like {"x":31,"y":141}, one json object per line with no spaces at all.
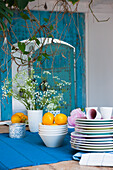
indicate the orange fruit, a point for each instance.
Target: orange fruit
{"x":61,"y":119}
{"x":48,"y":119}
{"x":24,"y":118}
{"x":15,"y":119}
{"x":54,"y":116}
{"x":19,"y":114}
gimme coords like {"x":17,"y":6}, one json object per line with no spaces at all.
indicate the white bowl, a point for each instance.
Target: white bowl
{"x":53,"y":140}
{"x":52,"y":133}
{"x":55,"y":130}
{"x":50,"y":127}
{"x":52,"y":130}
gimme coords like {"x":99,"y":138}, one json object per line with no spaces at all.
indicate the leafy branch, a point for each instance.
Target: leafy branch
{"x":6,"y":13}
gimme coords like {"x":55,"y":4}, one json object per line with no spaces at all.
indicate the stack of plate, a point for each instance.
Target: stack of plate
{"x":93,"y":135}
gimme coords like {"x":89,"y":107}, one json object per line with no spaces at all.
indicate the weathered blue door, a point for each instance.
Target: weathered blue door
{"x":61,"y":64}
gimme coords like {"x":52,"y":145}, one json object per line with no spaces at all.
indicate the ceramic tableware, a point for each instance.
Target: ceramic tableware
{"x":94,"y":135}
{"x":89,"y":108}
{"x":106,"y":112}
{"x":52,"y":140}
{"x":93,"y":114}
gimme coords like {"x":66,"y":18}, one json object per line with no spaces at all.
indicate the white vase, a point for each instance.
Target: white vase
{"x":54,"y":112}
{"x":34,"y":118}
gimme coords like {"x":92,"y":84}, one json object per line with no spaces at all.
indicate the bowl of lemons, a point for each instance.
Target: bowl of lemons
{"x":53,"y":130}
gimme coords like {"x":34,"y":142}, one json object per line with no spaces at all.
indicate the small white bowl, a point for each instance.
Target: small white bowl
{"x":41,"y":126}
{"x":52,"y":133}
{"x":53,"y":140}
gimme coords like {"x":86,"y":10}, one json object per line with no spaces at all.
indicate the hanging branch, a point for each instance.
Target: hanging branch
{"x":45,"y":30}
{"x":95,"y":15}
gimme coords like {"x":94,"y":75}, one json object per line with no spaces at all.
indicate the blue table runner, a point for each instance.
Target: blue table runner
{"x":31,"y":151}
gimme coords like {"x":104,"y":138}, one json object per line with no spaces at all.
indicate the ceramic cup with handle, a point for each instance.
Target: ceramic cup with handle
{"x":89,"y":108}
{"x":92,"y":113}
{"x":106,"y":112}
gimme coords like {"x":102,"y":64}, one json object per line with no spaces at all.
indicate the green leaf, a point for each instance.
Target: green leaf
{"x":29,"y":58}
{"x":21,"y":46}
{"x":50,"y":36}
{"x":3,"y":6}
{"x":13,"y":48}
{"x":22,"y":3}
{"x":45,"y":55}
{"x":39,"y":58}
{"x":46,"y":20}
{"x":24,"y":16}
{"x":5,"y":15}
{"x":82,"y":109}
{"x":74,"y":1}
{"x":34,"y":38}
{"x":37,"y":41}
{"x":33,"y":19}
{"x":3,"y":25}
{"x":51,"y":27}
{"x":26,"y":52}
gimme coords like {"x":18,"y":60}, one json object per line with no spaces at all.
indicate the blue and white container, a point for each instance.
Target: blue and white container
{"x":17,"y":130}
{"x":55,"y":112}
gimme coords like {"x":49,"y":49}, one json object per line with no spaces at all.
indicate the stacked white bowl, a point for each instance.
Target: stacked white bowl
{"x":53,"y":135}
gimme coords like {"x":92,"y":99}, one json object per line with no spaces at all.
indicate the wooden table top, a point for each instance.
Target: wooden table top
{"x":65,"y":165}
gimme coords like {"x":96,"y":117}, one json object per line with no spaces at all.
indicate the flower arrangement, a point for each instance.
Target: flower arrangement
{"x":33,"y":94}
{"x":76,"y":113}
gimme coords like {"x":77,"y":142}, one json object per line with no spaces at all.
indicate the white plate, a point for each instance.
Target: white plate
{"x":95,"y":120}
{"x":93,"y":125}
{"x":92,"y":145}
{"x":96,"y":133}
{"x":89,"y":150}
{"x":7,"y":122}
{"x":93,"y":131}
{"x":94,"y":128}
{"x":71,"y":127}
{"x":93,"y":140}
{"x":90,"y":136}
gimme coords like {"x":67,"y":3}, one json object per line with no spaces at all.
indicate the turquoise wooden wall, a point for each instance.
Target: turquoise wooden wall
{"x":6,"y":105}
{"x":70,"y":36}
